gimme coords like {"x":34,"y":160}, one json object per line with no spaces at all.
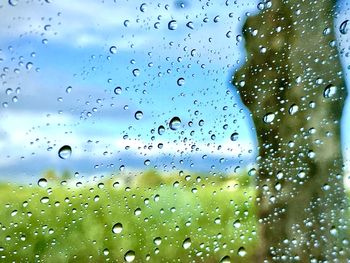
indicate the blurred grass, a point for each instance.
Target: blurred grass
{"x":75,"y":225}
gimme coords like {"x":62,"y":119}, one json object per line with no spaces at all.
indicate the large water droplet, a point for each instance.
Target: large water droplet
{"x":242,"y":252}
{"x":269,"y":117}
{"x":175,"y":123}
{"x":190,"y":25}
{"x":118,"y":90}
{"x":330,"y":91}
{"x":13,"y":2}
{"x":234,"y":136}
{"x":136,"y":72}
{"x":225,"y":259}
{"x":117,"y":228}
{"x":187,"y":243}
{"x":65,"y":152}
{"x":181,"y":82}
{"x":161,"y":129}
{"x":157,"y":241}
{"x":42,"y":182}
{"x":113,"y":49}
{"x":143,"y":7}
{"x":293,"y":109}
{"x":69,"y":89}
{"x":172,"y":25}
{"x":344,"y":27}
{"x":129,"y":256}
{"x":138,"y":115}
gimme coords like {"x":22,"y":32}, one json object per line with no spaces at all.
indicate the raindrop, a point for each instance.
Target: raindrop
{"x":138,"y":115}
{"x":175,"y":123}
{"x":344,"y":27}
{"x":118,"y":90}
{"x":42,"y":182}
{"x":172,"y":25}
{"x":29,"y":65}
{"x":129,"y":256}
{"x":190,"y":25}
{"x":242,"y":252}
{"x":234,"y":136}
{"x":293,"y":109}
{"x":113,"y":49}
{"x":225,"y":259}
{"x":143,"y":7}
{"x":161,"y":129}
{"x":329,"y":91}
{"x":136,"y":72}
{"x":65,"y":152}
{"x":237,"y":224}
{"x":269,"y":117}
{"x":157,"y":241}
{"x":117,"y":228}
{"x":44,"y":200}
{"x":187,"y":243}
{"x":69,"y":89}
{"x":181,"y":82}
{"x":13,"y":2}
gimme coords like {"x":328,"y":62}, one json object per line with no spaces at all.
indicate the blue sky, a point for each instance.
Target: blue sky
{"x":67,"y":43}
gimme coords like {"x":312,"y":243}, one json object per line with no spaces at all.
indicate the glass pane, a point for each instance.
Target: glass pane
{"x":174,"y":131}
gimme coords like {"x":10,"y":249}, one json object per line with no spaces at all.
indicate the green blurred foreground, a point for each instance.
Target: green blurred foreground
{"x":157,"y":219}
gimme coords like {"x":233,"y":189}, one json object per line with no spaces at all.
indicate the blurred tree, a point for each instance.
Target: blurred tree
{"x":50,"y":175}
{"x":292,"y":83}
{"x":67,"y":175}
{"x":149,"y":178}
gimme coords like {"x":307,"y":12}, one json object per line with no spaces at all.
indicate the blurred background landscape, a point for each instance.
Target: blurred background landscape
{"x":122,"y":137}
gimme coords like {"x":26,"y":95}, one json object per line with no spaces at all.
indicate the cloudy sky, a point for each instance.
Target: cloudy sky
{"x":61,"y":62}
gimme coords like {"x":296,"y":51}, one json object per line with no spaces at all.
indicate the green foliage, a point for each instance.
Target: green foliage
{"x":76,"y":223}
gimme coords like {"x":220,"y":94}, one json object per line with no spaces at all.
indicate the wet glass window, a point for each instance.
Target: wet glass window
{"x":174,"y":131}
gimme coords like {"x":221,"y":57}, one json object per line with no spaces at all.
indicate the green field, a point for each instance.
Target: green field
{"x":172,"y":219}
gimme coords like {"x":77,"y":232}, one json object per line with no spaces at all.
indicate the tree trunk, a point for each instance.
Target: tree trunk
{"x":292,"y":83}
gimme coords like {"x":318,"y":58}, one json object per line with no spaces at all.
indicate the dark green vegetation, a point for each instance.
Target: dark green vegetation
{"x":156,"y":215}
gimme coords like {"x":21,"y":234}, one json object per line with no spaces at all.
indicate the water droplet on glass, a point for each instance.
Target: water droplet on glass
{"x":237,"y":224}
{"x":225,"y":259}
{"x":157,"y":241}
{"x":329,"y":91}
{"x":13,"y":2}
{"x":234,"y":136}
{"x":136,"y":72}
{"x":69,"y":89}
{"x":129,"y":256}
{"x":293,"y":109}
{"x":65,"y":152}
{"x":161,"y":129}
{"x":242,"y":252}
{"x":181,"y":82}
{"x":118,"y":90}
{"x":113,"y":49}
{"x":175,"y":123}
{"x":344,"y":27}
{"x":190,"y":25}
{"x":269,"y":117}
{"x":172,"y":25}
{"x":143,"y":7}
{"x":117,"y":228}
{"x":44,"y":200}
{"x":137,"y":212}
{"x":138,"y":115}
{"x":42,"y":182}
{"x":187,"y":243}
{"x":29,"y":65}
